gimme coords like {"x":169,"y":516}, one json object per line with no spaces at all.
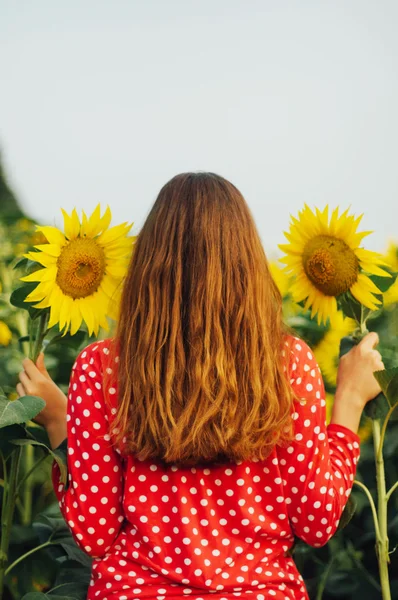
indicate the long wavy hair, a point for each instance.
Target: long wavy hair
{"x":200,"y":335}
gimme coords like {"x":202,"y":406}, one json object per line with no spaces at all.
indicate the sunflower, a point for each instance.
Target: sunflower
{"x":83,"y":270}
{"x":328,"y":350}
{"x":329,"y":399}
{"x":281,"y":279}
{"x":5,"y":334}
{"x":391,"y":295}
{"x":326,"y":257}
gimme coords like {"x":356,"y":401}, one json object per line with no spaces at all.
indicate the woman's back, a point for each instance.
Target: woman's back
{"x":164,"y":531}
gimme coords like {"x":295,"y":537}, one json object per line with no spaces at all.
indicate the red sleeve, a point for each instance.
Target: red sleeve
{"x":319,"y":466}
{"x":92,"y":502}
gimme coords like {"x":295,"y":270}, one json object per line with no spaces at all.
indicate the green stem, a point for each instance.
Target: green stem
{"x":26,"y":516}
{"x":361,"y":568}
{"x":31,"y":335}
{"x":21,"y":558}
{"x":8,"y":514}
{"x":384,"y":428}
{"x":391,"y":490}
{"x":364,"y":329}
{"x":324,"y":578}
{"x":34,"y":467}
{"x":40,"y":335}
{"x":372,"y":506}
{"x":21,"y":318}
{"x":382,"y":542}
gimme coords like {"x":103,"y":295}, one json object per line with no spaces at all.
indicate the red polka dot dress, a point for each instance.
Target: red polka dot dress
{"x":167,"y":532}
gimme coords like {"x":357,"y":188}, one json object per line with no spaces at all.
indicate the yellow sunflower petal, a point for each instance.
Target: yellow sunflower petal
{"x":368,"y":284}
{"x":45,"y":303}
{"x":372,"y":269}
{"x":113,"y":233}
{"x":41,"y":290}
{"x":87,"y":312}
{"x":52,"y":234}
{"x":55,"y":306}
{"x":90,"y":226}
{"x":95,"y":224}
{"x":48,"y":274}
{"x":75,"y":317}
{"x":44,"y":259}
{"x":71,"y":224}
{"x":364,"y":296}
{"x":51,"y":249}
{"x":109,"y":285}
{"x":116,"y":271}
{"x":65,"y":312}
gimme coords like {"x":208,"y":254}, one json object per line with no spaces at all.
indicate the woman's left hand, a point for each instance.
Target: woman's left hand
{"x":35,"y":381}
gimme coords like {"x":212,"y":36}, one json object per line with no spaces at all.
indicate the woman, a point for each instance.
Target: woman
{"x":196,"y":437}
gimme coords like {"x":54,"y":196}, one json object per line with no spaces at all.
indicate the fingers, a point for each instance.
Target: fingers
{"x":30,"y":368}
{"x":378,"y":361}
{"x":369,"y":341}
{"x":41,"y":366}
{"x":20,"y":390}
{"x":25,"y":381}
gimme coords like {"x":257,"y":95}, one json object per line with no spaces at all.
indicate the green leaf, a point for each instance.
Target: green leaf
{"x":388,"y":381}
{"x":384,"y":283}
{"x":72,"y":578}
{"x":18,"y":296}
{"x":24,"y":409}
{"x":74,"y":553}
{"x":41,"y":596}
{"x":8,"y":434}
{"x":377,"y":408}
{"x":21,"y":263}
{"x":353,"y":309}
{"x":348,"y":512}
{"x":56,"y":529}
{"x":72,"y":341}
{"x":60,"y":462}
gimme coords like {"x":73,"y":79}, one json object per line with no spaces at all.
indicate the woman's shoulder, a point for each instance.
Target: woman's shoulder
{"x":296,"y":350}
{"x":100,"y":352}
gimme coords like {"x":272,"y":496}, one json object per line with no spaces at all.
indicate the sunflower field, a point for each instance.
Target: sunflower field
{"x":38,"y":558}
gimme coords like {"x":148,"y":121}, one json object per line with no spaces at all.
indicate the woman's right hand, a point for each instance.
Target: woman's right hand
{"x":355,"y":379}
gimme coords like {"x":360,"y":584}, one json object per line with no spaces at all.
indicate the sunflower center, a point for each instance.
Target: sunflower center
{"x":330,"y":264}
{"x":81,"y":267}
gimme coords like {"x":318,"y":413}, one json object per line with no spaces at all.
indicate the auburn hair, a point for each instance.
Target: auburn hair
{"x":200,"y":335}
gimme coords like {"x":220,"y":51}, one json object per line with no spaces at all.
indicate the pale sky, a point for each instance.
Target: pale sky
{"x":293,"y":101}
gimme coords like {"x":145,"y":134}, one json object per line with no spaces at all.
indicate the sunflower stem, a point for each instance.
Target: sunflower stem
{"x":28,"y":465}
{"x":364,"y":329}
{"x":40,"y":335}
{"x":382,"y":544}
{"x":8,"y":514}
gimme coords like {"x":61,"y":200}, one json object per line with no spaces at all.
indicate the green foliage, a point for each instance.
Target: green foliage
{"x":54,"y":455}
{"x":19,"y":411}
{"x":18,"y":297}
{"x":388,"y":381}
{"x":353,"y":309}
